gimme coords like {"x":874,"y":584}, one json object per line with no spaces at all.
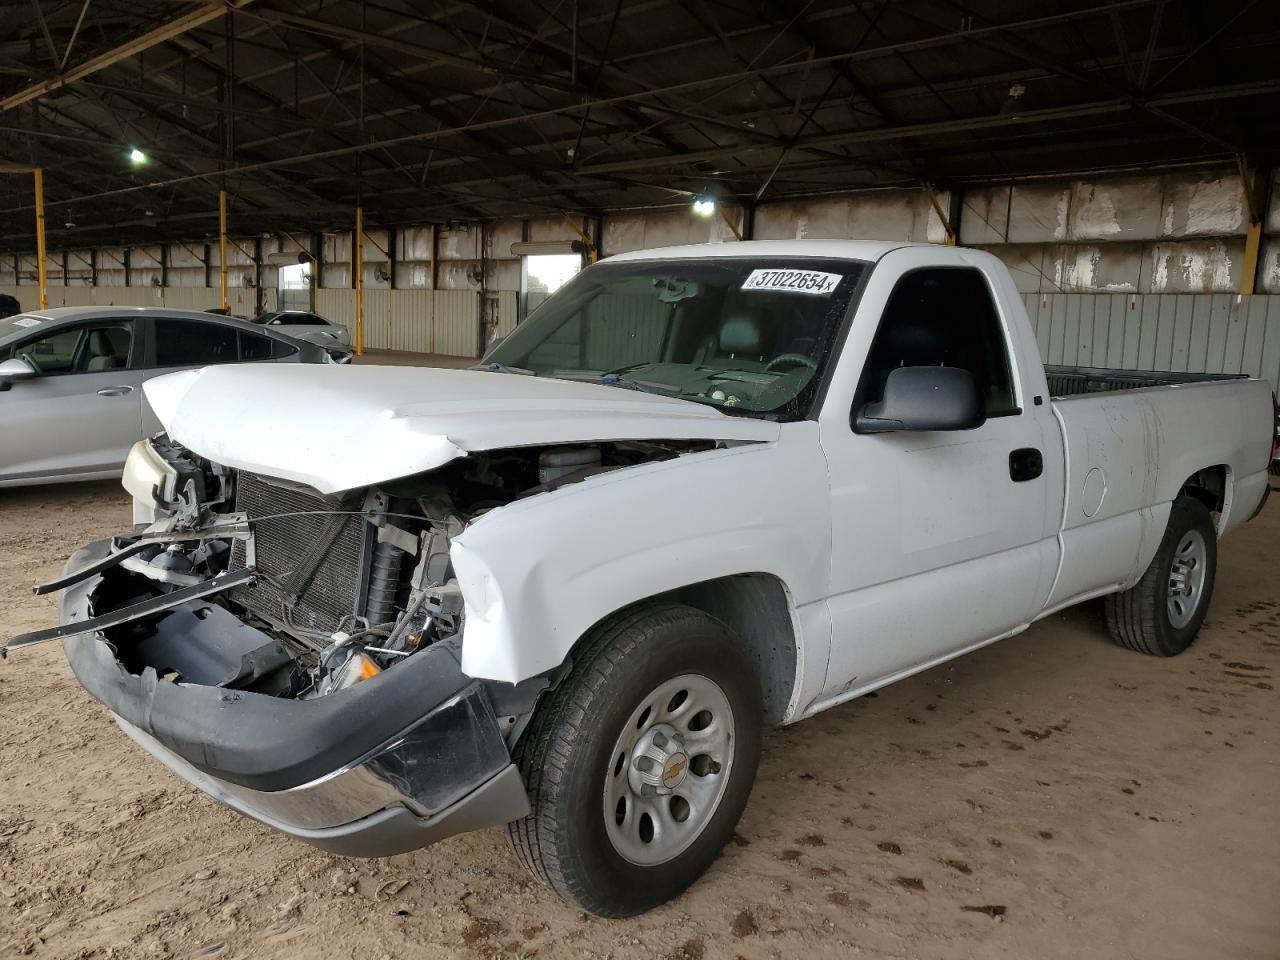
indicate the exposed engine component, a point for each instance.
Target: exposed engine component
{"x":565,"y":461}
{"x":175,"y":563}
{"x":339,"y":588}
{"x":384,"y":579}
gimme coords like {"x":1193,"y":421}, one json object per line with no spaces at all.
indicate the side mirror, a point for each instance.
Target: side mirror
{"x":924,"y":398}
{"x":15,"y":370}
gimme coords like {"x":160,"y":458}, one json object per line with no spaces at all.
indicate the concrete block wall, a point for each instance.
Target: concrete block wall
{"x":1168,"y":233}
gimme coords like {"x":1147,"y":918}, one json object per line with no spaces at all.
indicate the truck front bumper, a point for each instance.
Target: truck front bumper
{"x":388,"y":765}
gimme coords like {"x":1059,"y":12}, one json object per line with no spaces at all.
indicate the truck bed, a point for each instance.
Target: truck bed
{"x":1072,"y":381}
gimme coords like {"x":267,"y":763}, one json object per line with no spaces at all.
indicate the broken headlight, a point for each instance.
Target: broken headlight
{"x":152,"y":480}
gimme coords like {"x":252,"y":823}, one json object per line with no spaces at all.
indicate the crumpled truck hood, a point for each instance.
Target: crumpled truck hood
{"x":341,"y":427}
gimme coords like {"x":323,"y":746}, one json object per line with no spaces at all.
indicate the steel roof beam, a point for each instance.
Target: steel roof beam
{"x":197,"y":18}
{"x":873,"y":135}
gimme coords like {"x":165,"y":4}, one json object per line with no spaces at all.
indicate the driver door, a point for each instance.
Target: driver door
{"x":941,"y":540}
{"x":79,"y":417}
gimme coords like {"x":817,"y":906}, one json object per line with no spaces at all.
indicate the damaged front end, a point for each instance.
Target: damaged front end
{"x":297,"y":655}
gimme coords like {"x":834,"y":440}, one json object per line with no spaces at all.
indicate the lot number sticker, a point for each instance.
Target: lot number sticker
{"x":25,"y":322}
{"x":813,"y":282}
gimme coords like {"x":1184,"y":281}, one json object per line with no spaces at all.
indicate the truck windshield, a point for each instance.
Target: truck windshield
{"x":749,"y":335}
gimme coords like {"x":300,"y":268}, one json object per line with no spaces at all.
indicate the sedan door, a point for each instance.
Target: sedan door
{"x":79,"y":417}
{"x":183,"y":343}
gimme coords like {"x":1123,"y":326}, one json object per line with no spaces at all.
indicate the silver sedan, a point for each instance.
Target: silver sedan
{"x":71,"y":381}
{"x":304,"y":325}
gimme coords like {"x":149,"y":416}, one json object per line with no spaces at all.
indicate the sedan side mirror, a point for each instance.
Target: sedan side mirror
{"x":924,"y":398}
{"x":15,"y":370}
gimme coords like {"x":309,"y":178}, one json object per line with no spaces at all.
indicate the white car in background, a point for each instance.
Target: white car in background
{"x":311,"y":327}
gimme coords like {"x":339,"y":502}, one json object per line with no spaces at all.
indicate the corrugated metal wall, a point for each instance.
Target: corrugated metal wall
{"x":425,"y":321}
{"x":508,"y":311}
{"x":1199,"y":333}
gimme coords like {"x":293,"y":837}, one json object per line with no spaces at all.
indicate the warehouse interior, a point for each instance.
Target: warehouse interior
{"x":1108,"y":149}
{"x":426,"y":175}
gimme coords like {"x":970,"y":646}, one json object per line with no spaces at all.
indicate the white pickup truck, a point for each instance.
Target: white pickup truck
{"x":701,"y":491}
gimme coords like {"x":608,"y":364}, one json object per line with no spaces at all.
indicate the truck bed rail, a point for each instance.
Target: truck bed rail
{"x":1072,"y":381}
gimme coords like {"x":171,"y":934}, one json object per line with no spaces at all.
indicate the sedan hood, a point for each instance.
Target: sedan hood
{"x":341,"y":427}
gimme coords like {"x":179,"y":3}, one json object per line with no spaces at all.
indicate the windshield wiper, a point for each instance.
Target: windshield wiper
{"x":644,"y":386}
{"x":504,"y":368}
{"x":629,"y":367}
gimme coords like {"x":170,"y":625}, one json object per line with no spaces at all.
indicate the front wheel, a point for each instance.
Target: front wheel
{"x":1161,"y":614}
{"x":639,"y":764}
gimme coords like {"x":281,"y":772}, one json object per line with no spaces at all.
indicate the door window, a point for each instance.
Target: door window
{"x":254,"y":347}
{"x":942,"y":316}
{"x":192,"y":343}
{"x":86,"y":349}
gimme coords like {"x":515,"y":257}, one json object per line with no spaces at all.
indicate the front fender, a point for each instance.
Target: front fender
{"x":536,"y":575}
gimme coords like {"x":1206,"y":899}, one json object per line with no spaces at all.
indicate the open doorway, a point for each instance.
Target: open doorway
{"x":544,"y":274}
{"x":294,"y":289}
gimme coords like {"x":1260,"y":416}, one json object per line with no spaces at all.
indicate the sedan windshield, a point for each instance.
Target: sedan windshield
{"x":22,"y":323}
{"x":746,"y":334}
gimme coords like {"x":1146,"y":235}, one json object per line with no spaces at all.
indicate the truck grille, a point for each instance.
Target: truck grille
{"x":286,"y":544}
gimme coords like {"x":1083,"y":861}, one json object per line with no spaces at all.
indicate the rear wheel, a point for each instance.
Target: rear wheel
{"x":639,"y":764}
{"x":1162,"y":613}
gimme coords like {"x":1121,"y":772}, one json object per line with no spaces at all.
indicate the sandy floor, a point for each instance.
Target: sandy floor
{"x":1098,"y":803}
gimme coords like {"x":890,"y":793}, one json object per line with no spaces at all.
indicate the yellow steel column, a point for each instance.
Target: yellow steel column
{"x":357,"y":268}
{"x":222,"y":249}
{"x":1255,"y":184}
{"x":1252,"y":245}
{"x":942,"y":216}
{"x":41,"y":269}
{"x":737,"y":234}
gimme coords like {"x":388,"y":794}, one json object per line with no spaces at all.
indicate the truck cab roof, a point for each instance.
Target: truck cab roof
{"x":865,"y":250}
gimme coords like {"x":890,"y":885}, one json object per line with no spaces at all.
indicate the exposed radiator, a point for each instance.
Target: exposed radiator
{"x":287,"y":545}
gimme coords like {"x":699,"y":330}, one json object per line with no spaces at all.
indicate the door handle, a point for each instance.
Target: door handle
{"x":1025,"y":463}
{"x":120,"y":391}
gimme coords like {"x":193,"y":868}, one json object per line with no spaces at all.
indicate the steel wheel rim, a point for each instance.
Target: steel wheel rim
{"x":1186,"y":578}
{"x":668,"y":770}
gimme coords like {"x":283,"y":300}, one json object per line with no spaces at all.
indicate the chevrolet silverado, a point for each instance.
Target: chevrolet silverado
{"x":701,"y":491}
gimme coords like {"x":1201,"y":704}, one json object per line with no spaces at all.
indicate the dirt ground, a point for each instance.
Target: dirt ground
{"x":1052,"y":796}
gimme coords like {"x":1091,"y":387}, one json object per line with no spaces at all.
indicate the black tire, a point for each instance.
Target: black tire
{"x":1140,"y":618}
{"x":566,"y":754}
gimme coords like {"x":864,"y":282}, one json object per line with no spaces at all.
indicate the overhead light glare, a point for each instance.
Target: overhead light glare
{"x":137,"y":157}
{"x":704,"y":206}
